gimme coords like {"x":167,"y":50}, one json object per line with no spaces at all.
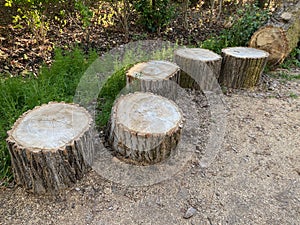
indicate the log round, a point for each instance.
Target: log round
{"x":145,"y":128}
{"x":242,"y":67}
{"x":51,"y":147}
{"x":281,"y":34}
{"x":203,"y":62}
{"x":156,"y":76}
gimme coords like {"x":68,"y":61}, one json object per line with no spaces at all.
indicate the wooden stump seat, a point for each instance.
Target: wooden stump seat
{"x":242,"y":66}
{"x":51,"y":147}
{"x":145,"y":127}
{"x":156,"y":76}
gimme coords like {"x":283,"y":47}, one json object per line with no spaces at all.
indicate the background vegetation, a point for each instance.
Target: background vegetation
{"x":38,"y":26}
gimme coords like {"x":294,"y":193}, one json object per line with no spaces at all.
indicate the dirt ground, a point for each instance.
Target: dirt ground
{"x":254,"y":179}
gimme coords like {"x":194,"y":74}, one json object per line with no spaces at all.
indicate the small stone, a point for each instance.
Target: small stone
{"x":286,"y":16}
{"x":115,"y":160}
{"x":77,"y":189}
{"x":273,"y":85}
{"x":107,"y":191}
{"x":189,"y":213}
{"x":159,"y":202}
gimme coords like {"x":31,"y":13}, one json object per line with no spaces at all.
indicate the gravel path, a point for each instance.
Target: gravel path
{"x":254,"y":179}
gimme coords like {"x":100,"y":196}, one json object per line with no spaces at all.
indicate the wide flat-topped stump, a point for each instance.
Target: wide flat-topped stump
{"x":242,"y":66}
{"x":51,"y":146}
{"x":156,"y":76}
{"x":145,"y":128}
{"x":205,"y":63}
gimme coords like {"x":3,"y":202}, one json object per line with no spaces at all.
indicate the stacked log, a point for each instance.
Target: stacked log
{"x":281,"y":34}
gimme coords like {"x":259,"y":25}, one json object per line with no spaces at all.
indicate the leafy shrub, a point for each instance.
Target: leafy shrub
{"x":17,"y":94}
{"x":154,"y":15}
{"x":37,"y":14}
{"x":245,"y":23}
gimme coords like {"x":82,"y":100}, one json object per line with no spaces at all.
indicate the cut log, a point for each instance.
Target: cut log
{"x":205,"y":63}
{"x":242,"y":67}
{"x":51,"y":147}
{"x":145,"y":128}
{"x":281,"y":34}
{"x":155,"y":76}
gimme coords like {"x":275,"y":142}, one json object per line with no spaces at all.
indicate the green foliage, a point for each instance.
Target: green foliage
{"x":85,"y":12}
{"x":31,"y":13}
{"x":154,"y":14}
{"x":288,"y":76}
{"x":37,"y":14}
{"x":293,"y":95}
{"x":292,"y":60}
{"x":284,"y":76}
{"x":110,"y":90}
{"x":18,"y":94}
{"x":245,"y":23}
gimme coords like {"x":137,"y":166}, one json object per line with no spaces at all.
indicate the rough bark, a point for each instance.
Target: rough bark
{"x":157,"y":76}
{"x":203,"y":62}
{"x":242,"y":67}
{"x":281,"y":34}
{"x":51,"y":147}
{"x":144,"y":128}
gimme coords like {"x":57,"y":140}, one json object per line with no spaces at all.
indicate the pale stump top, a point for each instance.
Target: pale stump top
{"x":153,"y":70}
{"x":200,"y":54}
{"x":51,"y":126}
{"x":147,"y":113}
{"x":245,"y":52}
{"x":156,"y":76}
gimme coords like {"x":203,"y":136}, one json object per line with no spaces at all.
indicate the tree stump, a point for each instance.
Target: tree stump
{"x":205,"y":63}
{"x":155,"y":76}
{"x":242,"y":67}
{"x":145,"y":128}
{"x":281,"y":34}
{"x":51,"y":146}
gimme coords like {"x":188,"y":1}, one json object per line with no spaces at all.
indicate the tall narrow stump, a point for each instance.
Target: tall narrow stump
{"x":51,"y":147}
{"x":157,"y":76}
{"x":242,"y":67}
{"x":205,"y":63}
{"x":145,"y":128}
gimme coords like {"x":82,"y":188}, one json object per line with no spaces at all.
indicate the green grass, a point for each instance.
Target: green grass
{"x":285,"y":76}
{"x":289,"y":77}
{"x":110,"y":90}
{"x":293,"y":95}
{"x":18,"y":94}
{"x":292,"y":60}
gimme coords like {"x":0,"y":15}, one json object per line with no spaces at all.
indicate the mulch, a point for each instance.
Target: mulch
{"x":22,"y":52}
